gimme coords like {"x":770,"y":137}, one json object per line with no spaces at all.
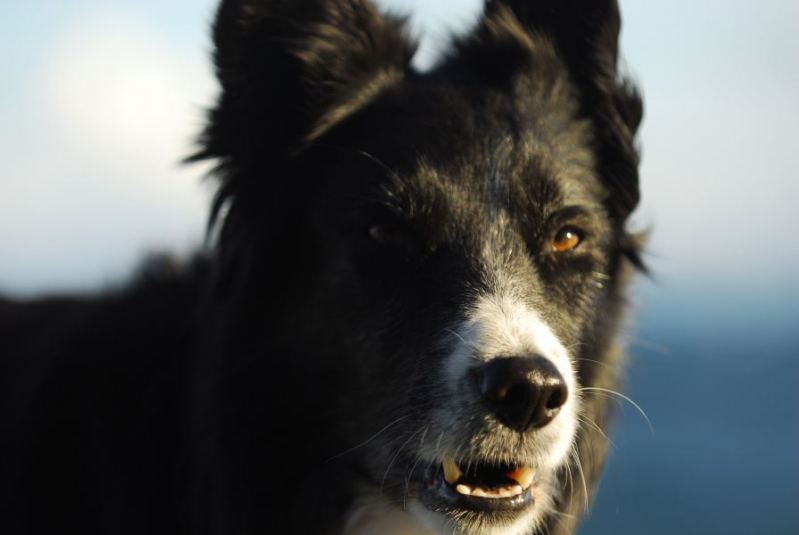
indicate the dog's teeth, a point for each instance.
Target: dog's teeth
{"x":515,"y":490}
{"x":452,"y":472}
{"x":523,"y":476}
{"x":480,"y":493}
{"x":464,"y":489}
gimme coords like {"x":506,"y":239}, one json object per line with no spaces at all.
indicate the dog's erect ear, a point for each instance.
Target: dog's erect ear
{"x":291,"y":69}
{"x":585,"y":31}
{"x":515,"y":35}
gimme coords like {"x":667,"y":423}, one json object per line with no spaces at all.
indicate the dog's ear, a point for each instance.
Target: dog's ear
{"x":515,"y":36}
{"x":291,"y":69}
{"x":585,"y":31}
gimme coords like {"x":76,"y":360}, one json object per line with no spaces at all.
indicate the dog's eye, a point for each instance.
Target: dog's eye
{"x":396,"y":237}
{"x":567,"y":239}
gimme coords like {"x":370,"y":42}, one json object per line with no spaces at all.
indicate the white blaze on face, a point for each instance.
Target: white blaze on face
{"x":497,"y":326}
{"x":504,"y":326}
{"x":501,"y":326}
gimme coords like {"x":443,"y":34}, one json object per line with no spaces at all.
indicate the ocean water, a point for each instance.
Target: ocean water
{"x":717,"y":372}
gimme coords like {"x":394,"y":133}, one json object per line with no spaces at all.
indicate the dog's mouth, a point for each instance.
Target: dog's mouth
{"x":479,"y":486}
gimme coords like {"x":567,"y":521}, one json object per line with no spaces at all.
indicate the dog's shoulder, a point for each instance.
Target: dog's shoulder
{"x":90,"y":392}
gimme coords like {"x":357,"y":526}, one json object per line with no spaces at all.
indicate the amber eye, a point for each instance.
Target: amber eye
{"x":566,"y":239}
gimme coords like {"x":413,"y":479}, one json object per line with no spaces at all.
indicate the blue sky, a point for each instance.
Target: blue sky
{"x":100,"y":101}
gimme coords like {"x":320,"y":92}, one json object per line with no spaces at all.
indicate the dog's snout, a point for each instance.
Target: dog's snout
{"x":522,"y":392}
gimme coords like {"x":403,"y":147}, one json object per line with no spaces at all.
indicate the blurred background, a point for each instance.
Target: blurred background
{"x":100,"y":99}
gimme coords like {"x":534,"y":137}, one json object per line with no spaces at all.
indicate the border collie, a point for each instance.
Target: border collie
{"x":408,"y":323}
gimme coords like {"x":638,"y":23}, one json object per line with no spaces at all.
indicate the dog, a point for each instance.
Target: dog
{"x":409,"y":318}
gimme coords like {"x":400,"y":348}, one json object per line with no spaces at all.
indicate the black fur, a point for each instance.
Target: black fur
{"x":354,"y":198}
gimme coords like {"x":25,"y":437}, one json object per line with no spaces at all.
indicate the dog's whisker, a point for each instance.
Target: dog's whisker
{"x":392,"y":173}
{"x":413,"y":467}
{"x":597,"y":362}
{"x":456,"y":335}
{"x":561,"y":518}
{"x":654,"y":347}
{"x":622,"y":397}
{"x":585,"y":419}
{"x":579,"y":464}
{"x":571,"y":476}
{"x":368,"y":440}
{"x":396,"y":456}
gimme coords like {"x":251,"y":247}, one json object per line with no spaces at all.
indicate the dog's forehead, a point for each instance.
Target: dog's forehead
{"x":494,"y":148}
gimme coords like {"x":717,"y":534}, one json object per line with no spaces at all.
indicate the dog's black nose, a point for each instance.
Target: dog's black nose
{"x":523,"y":392}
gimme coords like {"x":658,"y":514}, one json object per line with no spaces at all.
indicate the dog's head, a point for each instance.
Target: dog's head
{"x":444,"y":249}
